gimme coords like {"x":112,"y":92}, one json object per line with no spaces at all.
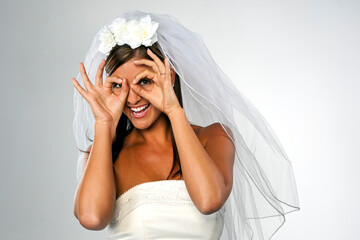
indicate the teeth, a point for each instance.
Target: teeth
{"x":139,"y":108}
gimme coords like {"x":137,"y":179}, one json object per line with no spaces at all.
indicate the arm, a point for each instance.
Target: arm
{"x":95,"y":194}
{"x":207,"y":171}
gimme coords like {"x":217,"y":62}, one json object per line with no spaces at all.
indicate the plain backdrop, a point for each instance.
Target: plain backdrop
{"x":297,"y":61}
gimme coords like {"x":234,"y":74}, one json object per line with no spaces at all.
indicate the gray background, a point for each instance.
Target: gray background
{"x":297,"y":61}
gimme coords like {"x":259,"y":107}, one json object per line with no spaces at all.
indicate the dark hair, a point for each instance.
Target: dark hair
{"x":118,"y":56}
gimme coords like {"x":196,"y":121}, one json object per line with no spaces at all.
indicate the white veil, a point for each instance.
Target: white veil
{"x":264,"y":188}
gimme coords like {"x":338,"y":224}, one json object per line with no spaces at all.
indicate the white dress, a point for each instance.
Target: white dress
{"x":162,"y":210}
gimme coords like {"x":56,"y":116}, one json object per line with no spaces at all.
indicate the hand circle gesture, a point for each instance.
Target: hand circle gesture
{"x":161,"y":95}
{"x":106,"y":106}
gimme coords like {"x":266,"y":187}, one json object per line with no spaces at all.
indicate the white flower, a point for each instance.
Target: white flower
{"x":107,"y":41}
{"x":134,"y":33}
{"x":148,"y":31}
{"x":118,"y":28}
{"x":141,"y":32}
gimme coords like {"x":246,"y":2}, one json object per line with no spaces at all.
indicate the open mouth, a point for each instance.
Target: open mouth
{"x":140,"y":112}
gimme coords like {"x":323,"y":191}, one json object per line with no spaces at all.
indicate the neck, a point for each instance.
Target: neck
{"x":158,"y":133}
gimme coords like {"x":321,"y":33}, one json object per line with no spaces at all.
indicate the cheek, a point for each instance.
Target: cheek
{"x":155,"y":112}
{"x":127,"y":111}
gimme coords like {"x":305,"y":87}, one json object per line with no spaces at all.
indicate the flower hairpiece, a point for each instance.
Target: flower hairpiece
{"x":134,"y":33}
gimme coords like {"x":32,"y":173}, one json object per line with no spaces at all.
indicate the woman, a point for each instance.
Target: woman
{"x":150,"y":171}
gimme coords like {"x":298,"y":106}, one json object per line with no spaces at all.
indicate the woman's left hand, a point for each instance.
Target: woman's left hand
{"x":162,"y":95}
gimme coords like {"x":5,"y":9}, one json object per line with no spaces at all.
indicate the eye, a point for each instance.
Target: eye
{"x":116,"y":85}
{"x":144,"y":81}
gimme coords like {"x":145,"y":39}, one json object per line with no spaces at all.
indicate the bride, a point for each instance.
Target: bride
{"x":150,"y":171}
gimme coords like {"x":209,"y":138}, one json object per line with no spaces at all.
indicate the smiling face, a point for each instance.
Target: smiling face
{"x":139,"y":110}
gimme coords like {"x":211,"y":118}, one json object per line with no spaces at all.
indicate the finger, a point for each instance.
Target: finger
{"x":145,"y":74}
{"x":78,"y":87}
{"x":149,"y":63}
{"x":99,"y":73}
{"x":141,"y":92}
{"x":167,"y":71}
{"x":157,"y":60}
{"x":125,"y":85}
{"x":110,"y":80}
{"x":88,"y":84}
{"x":124,"y":90}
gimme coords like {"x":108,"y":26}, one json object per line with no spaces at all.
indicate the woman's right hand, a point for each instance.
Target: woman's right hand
{"x":106,"y":106}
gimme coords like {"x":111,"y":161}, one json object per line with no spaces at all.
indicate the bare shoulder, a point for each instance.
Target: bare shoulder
{"x":214,"y":130}
{"x":196,"y":128}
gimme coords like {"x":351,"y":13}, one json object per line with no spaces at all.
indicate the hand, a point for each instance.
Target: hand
{"x":161,"y":95}
{"x":106,"y":106}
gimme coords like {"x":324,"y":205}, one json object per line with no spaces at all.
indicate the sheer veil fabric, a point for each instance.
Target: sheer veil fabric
{"x":264,"y":187}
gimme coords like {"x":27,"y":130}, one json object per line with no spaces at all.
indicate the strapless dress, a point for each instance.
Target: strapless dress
{"x":162,"y":210}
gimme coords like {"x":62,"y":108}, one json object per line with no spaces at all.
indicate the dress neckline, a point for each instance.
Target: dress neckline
{"x":146,"y":183}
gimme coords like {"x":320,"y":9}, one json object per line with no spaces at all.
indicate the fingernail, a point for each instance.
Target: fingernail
{"x":133,"y":81}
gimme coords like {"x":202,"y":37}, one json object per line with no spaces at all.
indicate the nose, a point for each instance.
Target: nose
{"x":133,"y":98}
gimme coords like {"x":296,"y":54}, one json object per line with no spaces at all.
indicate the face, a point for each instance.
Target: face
{"x":139,"y":110}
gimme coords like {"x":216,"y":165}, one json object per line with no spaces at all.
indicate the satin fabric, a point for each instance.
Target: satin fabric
{"x":162,"y":210}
